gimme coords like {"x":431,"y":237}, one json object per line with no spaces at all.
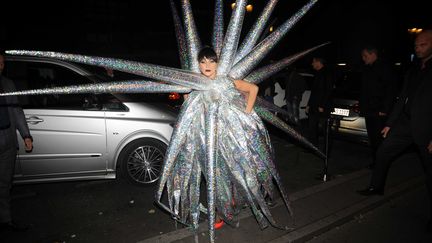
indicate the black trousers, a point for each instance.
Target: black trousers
{"x":398,"y":140}
{"x":7,"y":167}
{"x":292,"y":106}
{"x":316,"y":122}
{"x":374,"y":125}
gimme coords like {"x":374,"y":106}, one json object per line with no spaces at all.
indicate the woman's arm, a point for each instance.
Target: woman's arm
{"x":251,"y":90}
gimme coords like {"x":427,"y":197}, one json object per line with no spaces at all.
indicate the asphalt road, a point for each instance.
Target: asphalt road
{"x":115,"y":211}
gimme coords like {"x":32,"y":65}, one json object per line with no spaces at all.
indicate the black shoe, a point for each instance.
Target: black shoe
{"x":12,"y":226}
{"x":370,"y":191}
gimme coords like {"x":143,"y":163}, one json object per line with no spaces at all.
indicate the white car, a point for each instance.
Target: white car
{"x":346,"y":120}
{"x":86,"y":136}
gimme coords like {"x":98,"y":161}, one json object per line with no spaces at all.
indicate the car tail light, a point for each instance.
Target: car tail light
{"x":174,"y":96}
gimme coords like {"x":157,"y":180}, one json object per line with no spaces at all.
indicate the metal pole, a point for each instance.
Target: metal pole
{"x":326,"y":150}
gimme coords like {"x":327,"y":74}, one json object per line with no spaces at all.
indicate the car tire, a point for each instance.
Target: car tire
{"x":141,"y":161}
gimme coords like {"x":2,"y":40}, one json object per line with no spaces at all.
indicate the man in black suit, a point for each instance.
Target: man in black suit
{"x":11,"y":119}
{"x":378,"y":83}
{"x":410,"y":122}
{"x":318,"y":108}
{"x":295,"y":86}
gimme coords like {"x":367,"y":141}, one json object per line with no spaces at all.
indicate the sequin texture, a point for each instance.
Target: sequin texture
{"x":213,"y":136}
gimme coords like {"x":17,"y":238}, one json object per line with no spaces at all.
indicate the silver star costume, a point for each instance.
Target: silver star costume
{"x":213,"y":135}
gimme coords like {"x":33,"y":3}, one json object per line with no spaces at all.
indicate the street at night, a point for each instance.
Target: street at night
{"x":109,"y":98}
{"x":116,"y":211}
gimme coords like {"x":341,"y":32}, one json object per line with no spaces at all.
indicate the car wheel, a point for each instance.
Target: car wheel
{"x":141,"y":161}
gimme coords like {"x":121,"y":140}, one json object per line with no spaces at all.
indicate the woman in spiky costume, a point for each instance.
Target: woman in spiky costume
{"x":240,"y":161}
{"x":214,"y":135}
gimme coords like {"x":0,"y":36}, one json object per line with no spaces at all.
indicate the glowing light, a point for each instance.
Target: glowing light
{"x":174,"y":96}
{"x":249,"y":7}
{"x":415,"y":30}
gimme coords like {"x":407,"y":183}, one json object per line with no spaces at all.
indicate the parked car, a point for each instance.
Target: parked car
{"x":347,"y":122}
{"x":86,"y":136}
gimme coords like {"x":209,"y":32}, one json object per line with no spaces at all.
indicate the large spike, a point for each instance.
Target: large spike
{"x":211,"y":143}
{"x":181,"y":39}
{"x":232,"y":37}
{"x":273,"y":119}
{"x":218,"y":27}
{"x":170,"y":75}
{"x":134,"y":86}
{"x":192,"y":38}
{"x":265,"y":72}
{"x":183,"y":123}
{"x":254,"y":34}
{"x":244,"y":66}
{"x":271,"y":107}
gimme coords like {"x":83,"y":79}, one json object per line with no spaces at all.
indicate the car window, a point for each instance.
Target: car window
{"x":171,"y":99}
{"x":39,"y":75}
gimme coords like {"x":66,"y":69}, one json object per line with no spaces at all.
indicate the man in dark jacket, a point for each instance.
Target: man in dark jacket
{"x":318,"y":107}
{"x":295,"y":86}
{"x":377,"y":95}
{"x":410,"y":122}
{"x":11,"y":119}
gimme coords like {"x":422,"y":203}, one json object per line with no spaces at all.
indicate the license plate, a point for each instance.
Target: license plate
{"x":340,"y":112}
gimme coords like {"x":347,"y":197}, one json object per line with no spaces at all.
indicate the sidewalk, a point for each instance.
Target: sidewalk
{"x":318,"y":206}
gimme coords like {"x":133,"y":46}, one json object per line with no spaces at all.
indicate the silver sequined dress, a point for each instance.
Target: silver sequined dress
{"x":244,"y":167}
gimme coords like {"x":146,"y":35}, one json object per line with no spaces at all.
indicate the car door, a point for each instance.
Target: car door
{"x":68,"y":130}
{"x":65,"y":142}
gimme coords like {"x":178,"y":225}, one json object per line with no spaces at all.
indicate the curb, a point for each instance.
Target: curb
{"x":320,"y":226}
{"x":186,"y":232}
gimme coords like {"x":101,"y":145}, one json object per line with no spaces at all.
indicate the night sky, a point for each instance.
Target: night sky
{"x":130,"y":29}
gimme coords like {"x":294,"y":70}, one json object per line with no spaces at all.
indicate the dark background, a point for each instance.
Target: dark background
{"x":144,"y":31}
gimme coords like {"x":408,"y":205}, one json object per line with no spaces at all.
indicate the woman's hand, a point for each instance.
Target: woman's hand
{"x":251,"y":92}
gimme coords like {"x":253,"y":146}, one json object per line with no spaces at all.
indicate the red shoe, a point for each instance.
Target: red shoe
{"x":219,"y":224}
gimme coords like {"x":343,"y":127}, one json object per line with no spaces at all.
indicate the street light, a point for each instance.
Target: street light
{"x":249,"y":7}
{"x":415,"y":30}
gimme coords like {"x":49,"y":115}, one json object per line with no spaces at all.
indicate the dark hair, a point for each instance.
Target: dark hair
{"x":207,"y":52}
{"x":371,"y":49}
{"x":320,"y":59}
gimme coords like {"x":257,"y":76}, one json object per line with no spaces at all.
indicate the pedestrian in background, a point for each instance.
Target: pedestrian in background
{"x":410,"y":122}
{"x":11,"y":119}
{"x":295,"y":86}
{"x":377,"y":95}
{"x":318,"y":108}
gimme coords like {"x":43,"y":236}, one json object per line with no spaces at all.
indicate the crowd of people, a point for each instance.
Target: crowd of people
{"x":395,"y":119}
